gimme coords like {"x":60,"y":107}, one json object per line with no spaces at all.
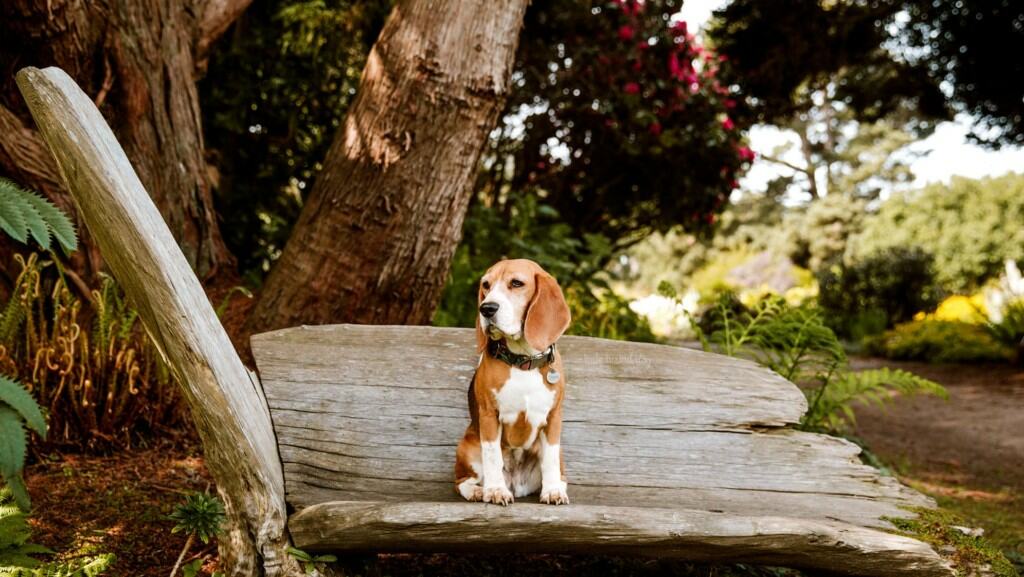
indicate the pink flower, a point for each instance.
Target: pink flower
{"x":674,"y":68}
{"x":730,"y":103}
{"x":679,"y":27}
{"x":631,"y":88}
{"x":626,"y":32}
{"x":728,"y":123}
{"x":655,"y":128}
{"x":746,"y":154}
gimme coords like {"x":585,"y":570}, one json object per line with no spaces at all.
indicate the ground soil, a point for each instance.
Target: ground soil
{"x":968,"y":452}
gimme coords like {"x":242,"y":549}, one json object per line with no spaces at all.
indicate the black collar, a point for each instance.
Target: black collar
{"x":499,"y":350}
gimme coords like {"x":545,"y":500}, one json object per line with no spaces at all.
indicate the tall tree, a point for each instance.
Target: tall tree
{"x":138,"y":60}
{"x":376,"y":235}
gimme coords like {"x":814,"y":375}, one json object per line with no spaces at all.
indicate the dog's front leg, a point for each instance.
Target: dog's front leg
{"x":495,"y":488}
{"x":553,"y":488}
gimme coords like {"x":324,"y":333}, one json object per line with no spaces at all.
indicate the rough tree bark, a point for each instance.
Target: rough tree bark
{"x":138,"y":61}
{"x":375,"y":238}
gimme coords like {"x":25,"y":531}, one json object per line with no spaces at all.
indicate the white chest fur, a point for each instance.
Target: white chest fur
{"x":525,"y":392}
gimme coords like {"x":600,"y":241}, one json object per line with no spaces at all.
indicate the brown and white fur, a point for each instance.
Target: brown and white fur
{"x":512,"y":446}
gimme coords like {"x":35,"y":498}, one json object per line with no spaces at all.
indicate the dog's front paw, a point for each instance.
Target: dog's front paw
{"x":554,"y":495}
{"x":498,"y":495}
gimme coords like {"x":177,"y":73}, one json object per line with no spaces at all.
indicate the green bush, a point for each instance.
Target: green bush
{"x":970,"y":226}
{"x":895,"y":283}
{"x":939,"y":342}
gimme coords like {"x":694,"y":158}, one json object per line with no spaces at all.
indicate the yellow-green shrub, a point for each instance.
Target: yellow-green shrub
{"x":938,"y":341}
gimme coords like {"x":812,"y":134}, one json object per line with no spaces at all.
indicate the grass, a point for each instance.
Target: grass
{"x":950,"y":535}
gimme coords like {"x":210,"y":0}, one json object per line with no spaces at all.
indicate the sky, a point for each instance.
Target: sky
{"x":950,"y":152}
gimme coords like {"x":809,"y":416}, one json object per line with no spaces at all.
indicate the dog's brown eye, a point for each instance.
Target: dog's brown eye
{"x":486,"y":285}
{"x":516,"y":283}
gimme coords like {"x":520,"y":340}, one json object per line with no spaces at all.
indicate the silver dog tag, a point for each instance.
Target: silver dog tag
{"x":553,"y":376}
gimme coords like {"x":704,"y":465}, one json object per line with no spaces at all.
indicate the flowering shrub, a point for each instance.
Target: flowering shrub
{"x":617,"y":120}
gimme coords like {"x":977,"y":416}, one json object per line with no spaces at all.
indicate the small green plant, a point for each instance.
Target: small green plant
{"x":17,"y":555}
{"x":795,"y":343}
{"x":25,"y":214}
{"x":311,"y":564}
{"x":17,"y":410}
{"x":201,"y":515}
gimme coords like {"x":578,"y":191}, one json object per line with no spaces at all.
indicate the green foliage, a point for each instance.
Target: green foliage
{"x":17,"y":409}
{"x":971,"y":227}
{"x":310,"y":563}
{"x":18,"y":556}
{"x":1010,"y":328}
{"x":533,"y":230}
{"x":819,"y":234}
{"x":89,"y":361}
{"x":897,"y":282}
{"x":15,"y":550}
{"x":25,"y":214}
{"x":939,"y":342}
{"x":970,"y":554}
{"x":274,"y":96}
{"x":831,"y":408}
{"x":796,"y":343}
{"x":201,"y":515}
{"x":617,"y":120}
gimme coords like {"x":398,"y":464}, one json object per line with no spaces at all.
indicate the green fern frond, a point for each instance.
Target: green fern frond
{"x":16,"y":397}
{"x":13,"y":443}
{"x":833,"y":403}
{"x":87,"y":567}
{"x":12,"y":318}
{"x":12,"y":221}
{"x":25,"y":214}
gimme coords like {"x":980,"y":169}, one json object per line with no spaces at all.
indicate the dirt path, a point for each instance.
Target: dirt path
{"x":968,"y":452}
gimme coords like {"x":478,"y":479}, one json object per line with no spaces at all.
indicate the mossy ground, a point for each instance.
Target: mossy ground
{"x":950,"y":535}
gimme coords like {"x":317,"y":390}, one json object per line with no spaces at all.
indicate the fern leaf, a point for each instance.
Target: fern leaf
{"x":12,"y":453}
{"x":11,"y":220}
{"x":11,"y":319}
{"x":24,"y":213}
{"x":56,"y":221}
{"x":16,"y":397}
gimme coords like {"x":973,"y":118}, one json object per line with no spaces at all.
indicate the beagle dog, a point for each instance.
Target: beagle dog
{"x":512,"y":445}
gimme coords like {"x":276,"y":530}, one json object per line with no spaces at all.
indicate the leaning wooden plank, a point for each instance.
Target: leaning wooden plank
{"x":645,"y":425}
{"x":662,"y":532}
{"x":226,"y":406}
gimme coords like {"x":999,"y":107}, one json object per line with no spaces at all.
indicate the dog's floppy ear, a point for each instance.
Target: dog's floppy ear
{"x":481,"y":337}
{"x":548,"y":315}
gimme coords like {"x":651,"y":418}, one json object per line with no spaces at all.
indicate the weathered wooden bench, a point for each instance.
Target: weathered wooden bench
{"x":345,"y":442}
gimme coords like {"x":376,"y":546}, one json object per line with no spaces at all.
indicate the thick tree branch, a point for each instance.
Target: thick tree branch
{"x":217,"y":16}
{"x":24,"y":156}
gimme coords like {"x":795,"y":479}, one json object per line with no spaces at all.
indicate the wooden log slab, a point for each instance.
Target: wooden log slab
{"x":668,"y":451}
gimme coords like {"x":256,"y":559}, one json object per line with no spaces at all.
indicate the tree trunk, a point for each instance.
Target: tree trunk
{"x":375,"y":238}
{"x":225,"y":399}
{"x":137,"y":59}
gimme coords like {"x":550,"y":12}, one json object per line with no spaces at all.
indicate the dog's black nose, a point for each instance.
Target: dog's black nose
{"x":488,"y":309}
